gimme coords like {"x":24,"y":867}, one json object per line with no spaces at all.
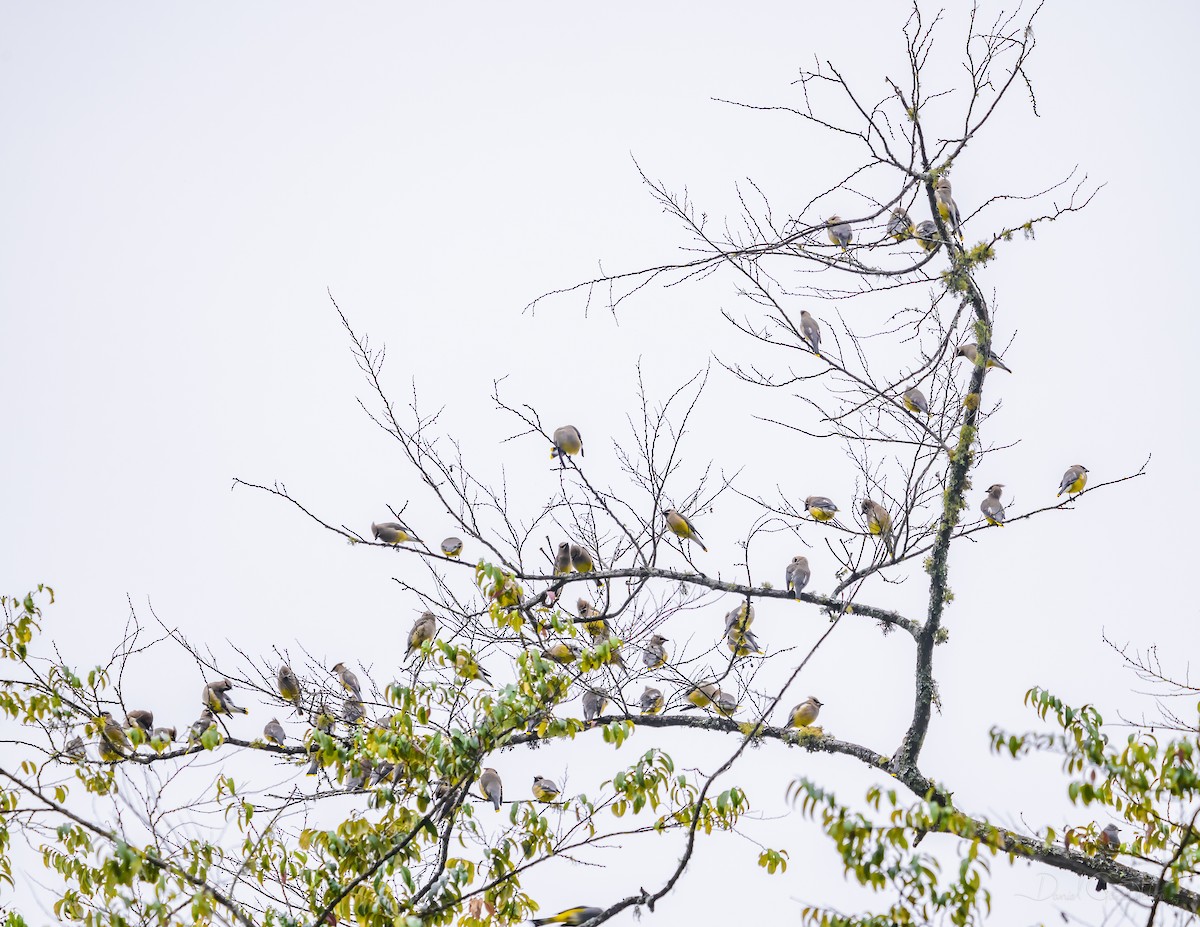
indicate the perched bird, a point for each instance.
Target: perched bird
{"x":273,"y":732}
{"x":423,"y":629}
{"x":839,"y":231}
{"x":567,"y":443}
{"x":900,"y":226}
{"x":651,"y":701}
{"x":992,"y":510}
{"x":914,"y":401}
{"x":114,"y":743}
{"x":74,"y":749}
{"x":804,"y":714}
{"x":288,"y":685}
{"x":926,"y":234}
{"x":140,"y":718}
{"x":545,"y":789}
{"x":163,"y":737}
{"x":725,"y":704}
{"x":655,"y":654}
{"x":821,"y":508}
{"x":811,"y":331}
{"x":563,"y":652}
{"x":361,"y":769}
{"x":348,"y":680}
{"x":1109,"y":842}
{"x":217,"y":699}
{"x":947,"y":208}
{"x":352,"y":711}
{"x":386,"y":771}
{"x":201,"y":725}
{"x":742,"y":643}
{"x":683,"y":528}
{"x":741,"y":615}
{"x":796,"y":575}
{"x":582,"y":561}
{"x":703,"y":694}
{"x":491,"y":787}
{"x":392,"y":532}
{"x":593,"y":705}
{"x":971,"y":353}
{"x":452,"y":547}
{"x":1073,"y":480}
{"x":470,"y":669}
{"x":562,"y":558}
{"x":595,"y":624}
{"x":879,"y":522}
{"x":572,"y":917}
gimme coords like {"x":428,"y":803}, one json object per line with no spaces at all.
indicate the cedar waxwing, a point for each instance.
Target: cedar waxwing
{"x":392,"y":532}
{"x":593,"y":705}
{"x":273,"y":732}
{"x":811,"y":331}
{"x":74,"y":749}
{"x":491,"y":787}
{"x":683,"y":528}
{"x":288,"y":685}
{"x":423,"y":629}
{"x":386,"y":771}
{"x":582,"y":561}
{"x":201,"y":725}
{"x":217,"y":699}
{"x":469,"y":668}
{"x":1073,"y":480}
{"x":879,"y":522}
{"x":114,"y":743}
{"x":947,"y":208}
{"x":655,"y":654}
{"x":927,"y":235}
{"x":821,"y":508}
{"x":596,"y":625}
{"x":992,"y":510}
{"x":839,"y":231}
{"x":741,"y":615}
{"x":742,"y":643}
{"x":725,"y":704}
{"x":162,"y":737}
{"x":362,"y":768}
{"x":567,"y":443}
{"x":971,"y":353}
{"x":572,"y":917}
{"x":900,"y":226}
{"x":352,"y":711}
{"x":703,"y":694}
{"x":452,"y":547}
{"x":651,"y":701}
{"x":1108,"y":842}
{"x":545,"y":790}
{"x":563,"y":652}
{"x":804,"y":714}
{"x":914,"y":401}
{"x":562,"y":558}
{"x":140,"y":718}
{"x":797,"y":574}
{"x":348,"y":680}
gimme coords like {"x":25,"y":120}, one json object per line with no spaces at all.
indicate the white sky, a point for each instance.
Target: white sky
{"x":180,"y":186}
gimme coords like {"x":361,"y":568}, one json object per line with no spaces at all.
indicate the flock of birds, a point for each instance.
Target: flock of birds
{"x":118,"y":742}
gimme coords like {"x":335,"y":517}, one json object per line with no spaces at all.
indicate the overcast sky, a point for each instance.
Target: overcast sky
{"x":181,"y":186}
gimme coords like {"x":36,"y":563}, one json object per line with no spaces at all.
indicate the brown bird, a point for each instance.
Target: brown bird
{"x":288,"y":684}
{"x":491,"y":787}
{"x":992,"y":510}
{"x":796,"y":575}
{"x":423,"y":629}
{"x":140,"y":718}
{"x":879,"y":522}
{"x":804,"y":714}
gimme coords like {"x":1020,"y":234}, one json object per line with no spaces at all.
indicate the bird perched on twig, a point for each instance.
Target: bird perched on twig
{"x":683,"y":528}
{"x":491,"y":787}
{"x":796,"y":575}
{"x":393,"y":532}
{"x":567,"y":443}
{"x":992,"y":510}
{"x":804,"y":714}
{"x":216,"y":697}
{"x":545,"y":790}
{"x":1073,"y":480}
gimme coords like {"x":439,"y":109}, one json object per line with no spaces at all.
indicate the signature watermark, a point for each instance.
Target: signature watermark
{"x":1051,"y":887}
